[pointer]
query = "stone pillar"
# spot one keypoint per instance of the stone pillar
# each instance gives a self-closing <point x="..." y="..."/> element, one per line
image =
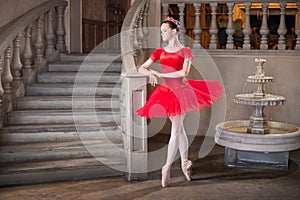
<point x="16" y="66"/>
<point x="135" y="127"/>
<point x="213" y="27"/>
<point x="282" y="29"/>
<point x="247" y="28"/>
<point x="297" y="31"/>
<point x="182" y="30"/>
<point x="50" y="35"/>
<point x="28" y="69"/>
<point x="264" y="30"/>
<point x="230" y="30"/>
<point x="60" y="30"/>
<point x="197" y="28"/>
<point x="39" y="46"/>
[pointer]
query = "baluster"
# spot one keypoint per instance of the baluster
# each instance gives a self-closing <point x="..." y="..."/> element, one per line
<point x="16" y="63"/>
<point x="140" y="35"/>
<point x="213" y="27"/>
<point x="264" y="30"/>
<point x="1" y="93"/>
<point x="145" y="26"/>
<point x="182" y="29"/>
<point x="197" y="28"/>
<point x="230" y="30"/>
<point x="165" y="12"/>
<point x="60" y="31"/>
<point x="49" y="34"/>
<point x="28" y="69"/>
<point x="297" y="31"/>
<point x="39" y="45"/>
<point x="1" y="88"/>
<point x="282" y="29"/>
<point x="7" y="79"/>
<point x="247" y="28"/>
<point x="135" y="42"/>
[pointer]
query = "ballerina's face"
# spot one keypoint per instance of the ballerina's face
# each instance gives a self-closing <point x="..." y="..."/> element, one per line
<point x="166" y="32"/>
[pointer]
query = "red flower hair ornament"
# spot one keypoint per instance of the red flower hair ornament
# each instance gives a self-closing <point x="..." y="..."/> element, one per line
<point x="171" y="19"/>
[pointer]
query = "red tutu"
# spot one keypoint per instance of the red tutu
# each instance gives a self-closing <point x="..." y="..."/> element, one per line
<point x="176" y="96"/>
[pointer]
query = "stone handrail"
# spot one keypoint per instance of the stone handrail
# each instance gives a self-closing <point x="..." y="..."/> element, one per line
<point x="17" y="69"/>
<point x="133" y="93"/>
<point x="231" y="40"/>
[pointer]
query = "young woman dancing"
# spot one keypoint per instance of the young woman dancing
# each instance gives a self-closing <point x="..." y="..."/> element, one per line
<point x="176" y="95"/>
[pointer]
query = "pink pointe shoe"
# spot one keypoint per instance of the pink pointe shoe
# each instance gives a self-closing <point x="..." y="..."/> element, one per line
<point x="186" y="169"/>
<point x="165" y="175"/>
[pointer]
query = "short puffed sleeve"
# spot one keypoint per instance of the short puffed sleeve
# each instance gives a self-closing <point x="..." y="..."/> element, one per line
<point x="156" y="54"/>
<point x="187" y="53"/>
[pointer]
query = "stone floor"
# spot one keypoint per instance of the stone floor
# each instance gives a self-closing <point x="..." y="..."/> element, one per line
<point x="211" y="180"/>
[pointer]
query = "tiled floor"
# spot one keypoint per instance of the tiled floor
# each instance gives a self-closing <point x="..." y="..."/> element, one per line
<point x="211" y="180"/>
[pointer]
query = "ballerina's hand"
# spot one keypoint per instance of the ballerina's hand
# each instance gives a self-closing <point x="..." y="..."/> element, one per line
<point x="152" y="79"/>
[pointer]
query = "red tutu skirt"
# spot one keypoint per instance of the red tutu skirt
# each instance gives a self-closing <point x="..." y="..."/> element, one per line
<point x="175" y="97"/>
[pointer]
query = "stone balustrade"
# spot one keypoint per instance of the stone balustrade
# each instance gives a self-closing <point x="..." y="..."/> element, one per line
<point x="19" y="63"/>
<point x="237" y="24"/>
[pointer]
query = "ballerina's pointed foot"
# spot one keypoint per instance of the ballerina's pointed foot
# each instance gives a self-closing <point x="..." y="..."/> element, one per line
<point x="186" y="169"/>
<point x="165" y="178"/>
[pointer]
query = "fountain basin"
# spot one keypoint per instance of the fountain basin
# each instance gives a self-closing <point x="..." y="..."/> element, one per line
<point x="265" y="151"/>
<point x="282" y="137"/>
<point x="252" y="100"/>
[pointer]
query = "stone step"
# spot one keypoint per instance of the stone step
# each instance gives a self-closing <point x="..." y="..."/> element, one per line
<point x="92" y="57"/>
<point x="20" y="117"/>
<point x="65" y="102"/>
<point x="59" y="151"/>
<point x="60" y="170"/>
<point x="67" y="89"/>
<point x="71" y="77"/>
<point x="71" y="66"/>
<point x="33" y="133"/>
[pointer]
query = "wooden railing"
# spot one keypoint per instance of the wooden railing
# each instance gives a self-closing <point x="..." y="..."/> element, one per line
<point x="19" y="68"/>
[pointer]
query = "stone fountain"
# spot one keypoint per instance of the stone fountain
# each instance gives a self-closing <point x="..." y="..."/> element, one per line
<point x="258" y="143"/>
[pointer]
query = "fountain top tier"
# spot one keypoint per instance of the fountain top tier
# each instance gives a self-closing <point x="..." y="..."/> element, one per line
<point x="259" y="99"/>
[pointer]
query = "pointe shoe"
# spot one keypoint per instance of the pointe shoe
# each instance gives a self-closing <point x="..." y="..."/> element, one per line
<point x="165" y="175"/>
<point x="186" y="169"/>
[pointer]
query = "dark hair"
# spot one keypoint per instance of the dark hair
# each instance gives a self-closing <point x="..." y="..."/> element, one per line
<point x="173" y="25"/>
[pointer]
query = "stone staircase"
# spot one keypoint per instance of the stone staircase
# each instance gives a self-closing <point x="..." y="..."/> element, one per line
<point x="41" y="143"/>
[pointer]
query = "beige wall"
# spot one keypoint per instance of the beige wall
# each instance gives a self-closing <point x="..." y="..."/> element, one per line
<point x="11" y="9"/>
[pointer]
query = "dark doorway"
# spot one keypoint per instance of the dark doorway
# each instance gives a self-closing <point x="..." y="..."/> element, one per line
<point x="102" y="19"/>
